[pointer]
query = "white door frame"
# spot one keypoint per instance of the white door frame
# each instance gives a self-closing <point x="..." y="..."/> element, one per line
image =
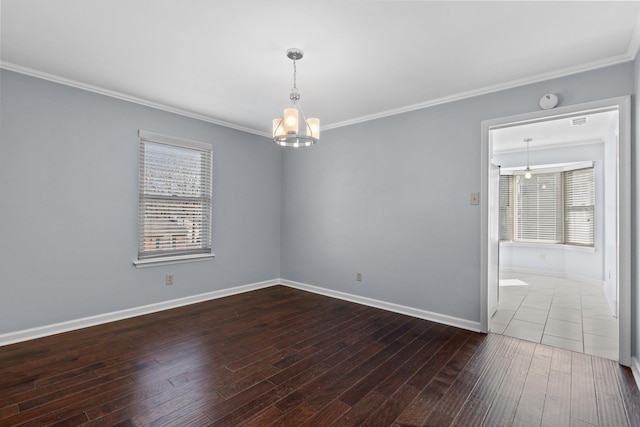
<point x="623" y="104"/>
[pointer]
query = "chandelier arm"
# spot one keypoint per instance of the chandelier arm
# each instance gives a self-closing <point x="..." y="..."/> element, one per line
<point x="304" y="117"/>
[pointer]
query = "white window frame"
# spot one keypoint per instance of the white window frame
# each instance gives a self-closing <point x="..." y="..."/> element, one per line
<point x="198" y="197"/>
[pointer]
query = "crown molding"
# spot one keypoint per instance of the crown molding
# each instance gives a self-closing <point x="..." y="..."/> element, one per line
<point x="124" y="97"/>
<point x="594" y="65"/>
<point x="634" y="46"/>
<point x="634" y="42"/>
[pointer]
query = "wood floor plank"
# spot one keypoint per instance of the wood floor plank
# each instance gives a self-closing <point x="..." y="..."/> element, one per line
<point x="69" y="406"/>
<point x="362" y="410"/>
<point x="433" y="340"/>
<point x="384" y="370"/>
<point x="505" y="403"/>
<point x="450" y="404"/>
<point x="474" y="410"/>
<point x="583" y="394"/>
<point x="7" y="411"/>
<point x="630" y="394"/>
<point x="610" y="406"/>
<point x="557" y="404"/>
<point x="328" y="415"/>
<point x="244" y="411"/>
<point x="283" y="357"/>
<point x="158" y="404"/>
<point x="388" y="412"/>
<point x="531" y="404"/>
<point x="423" y="405"/>
<point x="322" y="390"/>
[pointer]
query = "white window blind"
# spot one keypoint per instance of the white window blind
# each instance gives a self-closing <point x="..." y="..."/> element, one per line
<point x="175" y="197"/>
<point x="551" y="207"/>
<point x="538" y="202"/>
<point x="579" y="201"/>
<point x="506" y="207"/>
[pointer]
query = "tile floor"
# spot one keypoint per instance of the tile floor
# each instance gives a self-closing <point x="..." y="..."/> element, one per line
<point x="559" y="312"/>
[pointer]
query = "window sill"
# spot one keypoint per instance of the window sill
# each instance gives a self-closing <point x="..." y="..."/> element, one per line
<point x="178" y="259"/>
<point x="562" y="246"/>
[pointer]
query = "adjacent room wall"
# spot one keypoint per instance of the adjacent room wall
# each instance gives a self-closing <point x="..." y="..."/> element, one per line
<point x="390" y="198"/>
<point x="69" y="206"/>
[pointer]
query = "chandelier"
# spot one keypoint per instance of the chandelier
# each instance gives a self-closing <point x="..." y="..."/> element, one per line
<point x="287" y="130"/>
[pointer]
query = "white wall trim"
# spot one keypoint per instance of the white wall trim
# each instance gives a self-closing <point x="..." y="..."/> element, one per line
<point x="588" y="280"/>
<point x="122" y="96"/>
<point x="594" y="65"/>
<point x="85" y="322"/>
<point x="396" y="308"/>
<point x="543" y="147"/>
<point x="634" y="42"/>
<point x="71" y="325"/>
<point x="615" y="60"/>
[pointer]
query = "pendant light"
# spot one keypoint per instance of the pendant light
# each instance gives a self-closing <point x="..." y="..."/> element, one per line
<point x="527" y="171"/>
<point x="287" y="130"/>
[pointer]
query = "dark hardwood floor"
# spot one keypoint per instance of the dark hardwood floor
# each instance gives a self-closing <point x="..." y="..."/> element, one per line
<point x="283" y="357"/>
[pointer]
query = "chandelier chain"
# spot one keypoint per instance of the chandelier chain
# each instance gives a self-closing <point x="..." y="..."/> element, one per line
<point x="295" y="88"/>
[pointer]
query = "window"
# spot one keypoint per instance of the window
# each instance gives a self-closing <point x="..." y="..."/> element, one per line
<point x="579" y="203"/>
<point x="174" y="211"/>
<point x="552" y="207"/>
<point x="538" y="203"/>
<point x="506" y="207"/>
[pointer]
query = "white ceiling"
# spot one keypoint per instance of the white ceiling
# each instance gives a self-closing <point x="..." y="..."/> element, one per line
<point x="224" y="61"/>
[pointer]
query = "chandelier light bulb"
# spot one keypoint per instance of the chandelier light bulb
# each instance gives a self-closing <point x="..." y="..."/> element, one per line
<point x="291" y="120"/>
<point x="313" y="128"/>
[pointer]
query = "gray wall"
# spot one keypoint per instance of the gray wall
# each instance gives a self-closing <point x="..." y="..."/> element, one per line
<point x="68" y="205"/>
<point x="390" y="198"/>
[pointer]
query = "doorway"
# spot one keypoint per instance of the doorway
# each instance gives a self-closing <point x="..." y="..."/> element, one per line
<point x="613" y="249"/>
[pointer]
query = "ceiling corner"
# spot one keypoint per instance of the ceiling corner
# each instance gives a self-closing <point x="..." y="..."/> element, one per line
<point x="634" y="41"/>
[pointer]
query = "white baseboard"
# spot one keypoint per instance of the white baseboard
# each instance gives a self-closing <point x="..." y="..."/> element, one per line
<point x="396" y="308"/>
<point x="562" y="275"/>
<point x="57" y="328"/>
<point x="85" y="322"/>
<point x="635" y="368"/>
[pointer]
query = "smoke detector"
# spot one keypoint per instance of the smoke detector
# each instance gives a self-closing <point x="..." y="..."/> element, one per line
<point x="548" y="101"/>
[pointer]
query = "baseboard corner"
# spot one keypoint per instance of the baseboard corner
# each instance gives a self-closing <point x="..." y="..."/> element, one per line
<point x="389" y="306"/>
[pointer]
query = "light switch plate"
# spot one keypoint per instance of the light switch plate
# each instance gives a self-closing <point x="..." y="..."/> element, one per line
<point x="474" y="199"/>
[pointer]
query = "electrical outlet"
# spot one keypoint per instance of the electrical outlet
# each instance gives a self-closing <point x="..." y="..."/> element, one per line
<point x="359" y="277"/>
<point x="169" y="279"/>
